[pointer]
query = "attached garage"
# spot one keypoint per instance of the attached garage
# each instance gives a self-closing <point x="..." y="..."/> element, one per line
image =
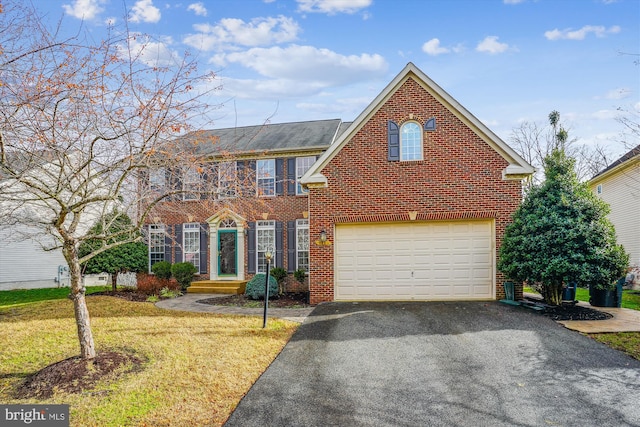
<point x="438" y="260"/>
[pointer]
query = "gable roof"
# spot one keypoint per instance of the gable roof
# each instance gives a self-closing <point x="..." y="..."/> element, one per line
<point x="272" y="138"/>
<point x="518" y="167"/>
<point x="634" y="153"/>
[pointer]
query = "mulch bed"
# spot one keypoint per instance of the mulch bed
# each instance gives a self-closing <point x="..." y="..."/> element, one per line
<point x="129" y="295"/>
<point x="281" y="301"/>
<point x="76" y="375"/>
<point x="575" y="312"/>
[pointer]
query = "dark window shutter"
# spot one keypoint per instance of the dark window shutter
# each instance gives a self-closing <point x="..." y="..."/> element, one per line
<point x="251" y="248"/>
<point x="279" y="246"/>
<point x="279" y="176"/>
<point x="178" y="243"/>
<point x="291" y="246"/>
<point x="291" y="176"/>
<point x="393" y="140"/>
<point x="167" y="244"/>
<point x="430" y="124"/>
<point x="204" y="253"/>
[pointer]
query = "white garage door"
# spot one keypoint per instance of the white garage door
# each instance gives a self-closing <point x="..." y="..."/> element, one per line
<point x="415" y="261"/>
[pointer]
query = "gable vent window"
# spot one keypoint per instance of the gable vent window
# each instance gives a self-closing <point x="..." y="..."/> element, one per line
<point x="599" y="189"/>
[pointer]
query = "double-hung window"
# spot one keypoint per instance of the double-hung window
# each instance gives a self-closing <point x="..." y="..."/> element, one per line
<point x="266" y="177"/>
<point x="302" y="166"/>
<point x="302" y="244"/>
<point x="191" y="244"/>
<point x="227" y="179"/>
<point x="157" y="179"/>
<point x="411" y="141"/>
<point x="156" y="244"/>
<point x="191" y="184"/>
<point x="265" y="242"/>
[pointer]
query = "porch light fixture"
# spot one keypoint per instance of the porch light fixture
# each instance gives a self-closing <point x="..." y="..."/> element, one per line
<point x="323" y="241"/>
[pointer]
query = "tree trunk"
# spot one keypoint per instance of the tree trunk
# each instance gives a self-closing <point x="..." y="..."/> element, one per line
<point x="85" y="336"/>
<point x="552" y="293"/>
<point x="114" y="281"/>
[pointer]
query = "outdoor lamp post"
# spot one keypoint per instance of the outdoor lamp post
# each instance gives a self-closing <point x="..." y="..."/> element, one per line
<point x="268" y="255"/>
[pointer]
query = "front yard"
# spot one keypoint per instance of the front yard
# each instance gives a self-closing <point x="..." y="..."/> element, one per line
<point x="195" y="367"/>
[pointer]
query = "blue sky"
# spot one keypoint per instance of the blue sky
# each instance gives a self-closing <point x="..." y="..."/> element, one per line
<point x="506" y="61"/>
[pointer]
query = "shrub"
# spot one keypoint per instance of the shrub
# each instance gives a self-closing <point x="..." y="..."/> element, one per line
<point x="255" y="287"/>
<point x="300" y="275"/>
<point x="279" y="274"/>
<point x="183" y="272"/>
<point x="150" y="285"/>
<point x="162" y="269"/>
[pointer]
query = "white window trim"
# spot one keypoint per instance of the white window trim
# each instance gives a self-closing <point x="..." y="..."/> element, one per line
<point x="258" y="178"/>
<point x="301" y="170"/>
<point x="421" y="150"/>
<point x="191" y="228"/>
<point x="157" y="229"/>
<point x="599" y="189"/>
<point x="157" y="179"/>
<point x="190" y="173"/>
<point x="302" y="224"/>
<point x="231" y="183"/>
<point x="265" y="226"/>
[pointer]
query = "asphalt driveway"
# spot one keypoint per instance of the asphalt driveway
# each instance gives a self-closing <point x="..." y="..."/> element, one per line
<point x="441" y="364"/>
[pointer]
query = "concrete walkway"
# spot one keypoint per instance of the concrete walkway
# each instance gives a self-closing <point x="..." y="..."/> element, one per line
<point x="624" y="320"/>
<point x="189" y="302"/>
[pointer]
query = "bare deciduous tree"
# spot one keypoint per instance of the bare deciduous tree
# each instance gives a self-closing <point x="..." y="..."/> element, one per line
<point x="534" y="142"/>
<point x="79" y="123"/>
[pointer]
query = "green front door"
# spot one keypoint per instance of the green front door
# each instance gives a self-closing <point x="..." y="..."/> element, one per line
<point x="227" y="253"/>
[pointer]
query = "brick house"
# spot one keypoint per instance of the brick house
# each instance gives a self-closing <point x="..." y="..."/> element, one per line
<point x="409" y="201"/>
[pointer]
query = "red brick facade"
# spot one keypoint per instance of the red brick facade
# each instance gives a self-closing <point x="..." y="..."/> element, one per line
<point x="461" y="177"/>
<point x="281" y="208"/>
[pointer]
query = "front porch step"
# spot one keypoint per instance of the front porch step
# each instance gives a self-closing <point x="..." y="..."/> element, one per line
<point x="217" y="287"/>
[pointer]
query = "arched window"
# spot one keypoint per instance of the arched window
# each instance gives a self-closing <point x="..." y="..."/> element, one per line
<point x="410" y="141"/>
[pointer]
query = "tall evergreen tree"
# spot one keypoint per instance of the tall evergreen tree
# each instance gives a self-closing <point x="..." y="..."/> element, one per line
<point x="560" y="234"/>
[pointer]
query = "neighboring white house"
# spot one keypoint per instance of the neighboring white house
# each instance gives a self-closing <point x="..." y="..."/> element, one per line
<point x="24" y="264"/>
<point x="619" y="186"/>
<point x="26" y="216"/>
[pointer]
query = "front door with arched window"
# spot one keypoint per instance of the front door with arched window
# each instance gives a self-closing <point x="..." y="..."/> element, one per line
<point x="226" y="234"/>
<point x="227" y="248"/>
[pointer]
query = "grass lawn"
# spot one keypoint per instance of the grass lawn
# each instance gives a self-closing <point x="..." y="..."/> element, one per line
<point x="197" y="366"/>
<point x="24" y="296"/>
<point x="627" y="342"/>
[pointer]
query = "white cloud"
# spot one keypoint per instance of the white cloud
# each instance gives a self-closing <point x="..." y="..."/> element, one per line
<point x="619" y="93"/>
<point x="332" y="7"/>
<point x="491" y="45"/>
<point x="198" y="9"/>
<point x="236" y="32"/>
<point x="84" y="9"/>
<point x="299" y="71"/>
<point x="144" y="11"/>
<point x="432" y="47"/>
<point x="310" y="64"/>
<point x="569" y="34"/>
<point x="605" y="114"/>
<point x="111" y="21"/>
<point x="154" y="53"/>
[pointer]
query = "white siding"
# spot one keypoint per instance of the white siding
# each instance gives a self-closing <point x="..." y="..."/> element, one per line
<point x="622" y="192"/>
<point x="25" y="262"/>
